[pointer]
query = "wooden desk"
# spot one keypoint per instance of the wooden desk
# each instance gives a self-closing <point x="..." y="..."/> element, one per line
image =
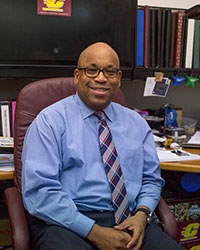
<point x="183" y="166"/>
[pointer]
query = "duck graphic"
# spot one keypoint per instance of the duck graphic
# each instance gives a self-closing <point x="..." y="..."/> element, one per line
<point x="53" y="5"/>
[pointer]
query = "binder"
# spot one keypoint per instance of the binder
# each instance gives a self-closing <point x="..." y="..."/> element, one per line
<point x="172" y="44"/>
<point x="163" y="38"/>
<point x="5" y="119"/>
<point x="140" y="37"/>
<point x="190" y="43"/>
<point x="168" y="37"/>
<point x="146" y="36"/>
<point x="178" y="39"/>
<point x="195" y="63"/>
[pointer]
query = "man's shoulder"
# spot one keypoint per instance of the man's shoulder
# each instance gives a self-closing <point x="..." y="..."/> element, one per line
<point x="59" y="105"/>
<point x="125" y="110"/>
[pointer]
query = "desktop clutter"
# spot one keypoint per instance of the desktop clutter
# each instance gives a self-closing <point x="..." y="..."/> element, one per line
<point x="172" y="132"/>
<point x="6" y="153"/>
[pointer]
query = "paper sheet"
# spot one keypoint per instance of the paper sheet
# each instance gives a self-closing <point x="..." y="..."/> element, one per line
<point x="153" y="88"/>
<point x="6" y="168"/>
<point x="195" y="139"/>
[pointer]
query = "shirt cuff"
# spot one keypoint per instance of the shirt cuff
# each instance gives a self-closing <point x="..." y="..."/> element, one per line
<point x="148" y="202"/>
<point x="82" y="225"/>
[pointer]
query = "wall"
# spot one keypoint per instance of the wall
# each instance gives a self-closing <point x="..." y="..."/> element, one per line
<point x="169" y="3"/>
<point x="186" y="97"/>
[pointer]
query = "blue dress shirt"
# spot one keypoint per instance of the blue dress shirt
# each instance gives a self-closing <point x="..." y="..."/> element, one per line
<point x="63" y="171"/>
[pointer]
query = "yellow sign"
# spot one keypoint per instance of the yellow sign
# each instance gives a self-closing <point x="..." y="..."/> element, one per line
<point x="190" y="231"/>
<point x="195" y="248"/>
<point x="53" y="5"/>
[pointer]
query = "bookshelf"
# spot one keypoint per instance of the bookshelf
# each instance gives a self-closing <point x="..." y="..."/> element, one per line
<point x="165" y="48"/>
<point x="141" y="73"/>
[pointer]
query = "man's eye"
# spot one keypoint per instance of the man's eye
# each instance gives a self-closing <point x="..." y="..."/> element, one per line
<point x="91" y="71"/>
<point x="110" y="72"/>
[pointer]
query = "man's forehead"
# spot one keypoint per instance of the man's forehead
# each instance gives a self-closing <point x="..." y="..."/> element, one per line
<point x="99" y="56"/>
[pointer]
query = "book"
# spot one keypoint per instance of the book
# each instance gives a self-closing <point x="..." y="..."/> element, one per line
<point x="189" y="43"/>
<point x="140" y="37"/>
<point x="178" y="39"/>
<point x="146" y="36"/>
<point x="195" y="61"/>
<point x="5" y="119"/>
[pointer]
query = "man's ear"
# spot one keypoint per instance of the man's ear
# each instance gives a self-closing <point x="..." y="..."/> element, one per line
<point x="76" y="76"/>
<point x="119" y="77"/>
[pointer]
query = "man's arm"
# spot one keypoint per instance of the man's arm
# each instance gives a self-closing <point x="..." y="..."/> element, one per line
<point x="42" y="166"/>
<point x="152" y="181"/>
<point x="149" y="193"/>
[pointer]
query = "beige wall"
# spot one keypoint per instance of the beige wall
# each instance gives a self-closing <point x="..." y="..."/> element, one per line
<point x="170" y="3"/>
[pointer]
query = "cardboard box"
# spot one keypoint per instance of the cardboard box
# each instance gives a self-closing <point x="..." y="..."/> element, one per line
<point x="185" y="210"/>
<point x="193" y="246"/>
<point x="187" y="214"/>
<point x="5" y="233"/>
<point x="5" y="230"/>
<point x="189" y="232"/>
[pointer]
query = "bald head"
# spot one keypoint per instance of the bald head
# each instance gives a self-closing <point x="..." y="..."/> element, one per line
<point x="97" y="90"/>
<point x="100" y="50"/>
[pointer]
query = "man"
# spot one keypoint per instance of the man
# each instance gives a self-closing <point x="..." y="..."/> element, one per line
<point x="64" y="183"/>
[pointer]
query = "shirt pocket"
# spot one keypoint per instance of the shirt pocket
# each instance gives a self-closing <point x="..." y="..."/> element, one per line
<point x="131" y="161"/>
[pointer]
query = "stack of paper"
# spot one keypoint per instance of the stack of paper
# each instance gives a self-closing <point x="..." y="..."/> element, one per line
<point x="6" y="162"/>
<point x="169" y="155"/>
<point x="194" y="141"/>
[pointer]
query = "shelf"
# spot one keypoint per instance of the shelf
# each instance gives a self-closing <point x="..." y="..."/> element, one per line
<point x="47" y="71"/>
<point x="140" y="73"/>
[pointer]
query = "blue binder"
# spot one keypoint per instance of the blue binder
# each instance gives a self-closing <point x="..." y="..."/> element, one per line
<point x="140" y="37"/>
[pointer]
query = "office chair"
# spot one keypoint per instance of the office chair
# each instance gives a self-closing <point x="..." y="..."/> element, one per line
<point x="31" y="100"/>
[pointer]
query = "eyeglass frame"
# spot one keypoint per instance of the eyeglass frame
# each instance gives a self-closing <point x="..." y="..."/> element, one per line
<point x="98" y="72"/>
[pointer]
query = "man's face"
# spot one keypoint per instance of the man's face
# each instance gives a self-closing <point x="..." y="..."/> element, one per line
<point x="97" y="92"/>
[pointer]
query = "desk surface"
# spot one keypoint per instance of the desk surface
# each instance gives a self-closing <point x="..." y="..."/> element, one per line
<point x="182" y="166"/>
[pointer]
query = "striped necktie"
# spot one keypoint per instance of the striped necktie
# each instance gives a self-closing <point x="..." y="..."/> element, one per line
<point x="113" y="170"/>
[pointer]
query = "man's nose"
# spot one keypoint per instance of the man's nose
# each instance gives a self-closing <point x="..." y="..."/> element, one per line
<point x="101" y="77"/>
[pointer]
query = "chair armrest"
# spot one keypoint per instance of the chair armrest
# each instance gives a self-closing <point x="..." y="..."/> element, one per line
<point x="19" y="226"/>
<point x="167" y="219"/>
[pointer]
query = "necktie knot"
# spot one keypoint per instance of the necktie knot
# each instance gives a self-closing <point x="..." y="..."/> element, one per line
<point x="100" y="115"/>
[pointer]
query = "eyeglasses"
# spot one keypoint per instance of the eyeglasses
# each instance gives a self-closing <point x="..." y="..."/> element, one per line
<point x="108" y="72"/>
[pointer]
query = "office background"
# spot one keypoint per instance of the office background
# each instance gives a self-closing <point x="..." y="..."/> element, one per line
<point x="185" y="97"/>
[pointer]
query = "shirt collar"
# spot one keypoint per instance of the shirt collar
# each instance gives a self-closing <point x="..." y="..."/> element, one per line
<point x="86" y="111"/>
